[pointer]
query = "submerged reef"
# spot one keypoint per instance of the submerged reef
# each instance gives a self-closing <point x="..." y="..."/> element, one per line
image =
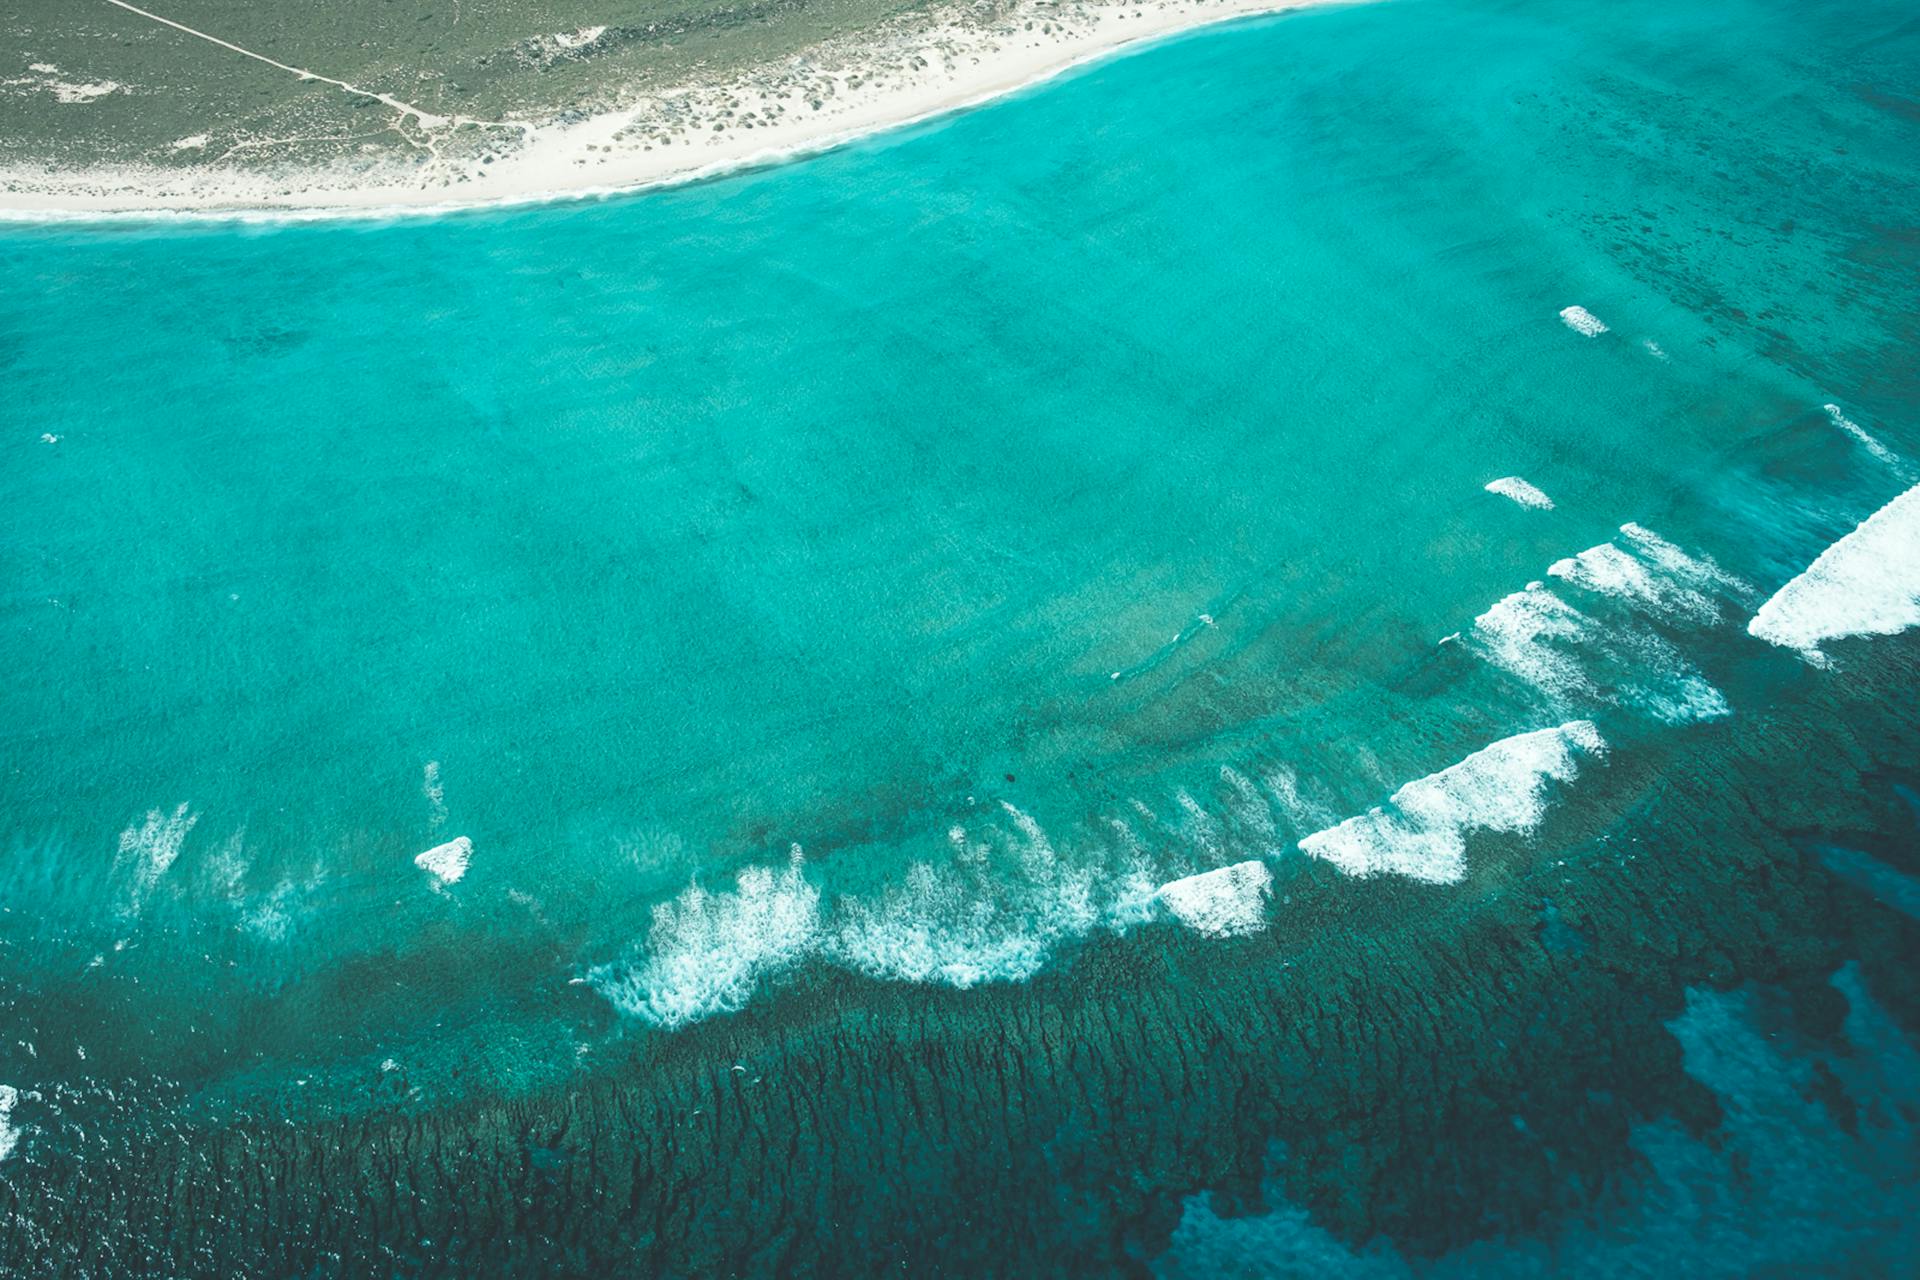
<point x="1419" y="1066"/>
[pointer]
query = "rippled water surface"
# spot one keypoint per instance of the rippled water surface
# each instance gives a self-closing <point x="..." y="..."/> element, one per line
<point x="1253" y="663"/>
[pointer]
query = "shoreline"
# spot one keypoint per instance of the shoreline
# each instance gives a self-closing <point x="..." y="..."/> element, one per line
<point x="838" y="92"/>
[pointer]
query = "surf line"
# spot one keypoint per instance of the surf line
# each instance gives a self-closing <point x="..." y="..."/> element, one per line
<point x="426" y="119"/>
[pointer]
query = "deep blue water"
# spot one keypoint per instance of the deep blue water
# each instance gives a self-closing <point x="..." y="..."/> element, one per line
<point x="883" y="575"/>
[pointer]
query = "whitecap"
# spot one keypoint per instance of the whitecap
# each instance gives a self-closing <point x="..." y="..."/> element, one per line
<point x="1224" y="903"/>
<point x="1612" y="654"/>
<point x="435" y="794"/>
<point x="1867" y="583"/>
<point x="70" y="92"/>
<point x="1302" y="814"/>
<point x="271" y="919"/>
<point x="1861" y="434"/>
<point x="978" y="922"/>
<point x="1525" y="633"/>
<point x="1700" y="572"/>
<point x="995" y="910"/>
<point x="1249" y="808"/>
<point x="1608" y="570"/>
<point x="9" y="1135"/>
<point x="446" y="863"/>
<point x="1582" y="321"/>
<point x="153" y="846"/>
<point x="1687" y="699"/>
<point x="1421" y="831"/>
<point x="1198" y="826"/>
<point x="1520" y="491"/>
<point x="938" y="927"/>
<point x="706" y="953"/>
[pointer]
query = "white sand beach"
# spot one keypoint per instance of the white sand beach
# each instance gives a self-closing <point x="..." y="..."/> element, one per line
<point x="841" y="89"/>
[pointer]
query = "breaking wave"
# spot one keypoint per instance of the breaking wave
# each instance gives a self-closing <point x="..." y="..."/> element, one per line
<point x="1223" y="903"/>
<point x="999" y="898"/>
<point x="1650" y="573"/>
<point x="1529" y="634"/>
<point x="1866" y="584"/>
<point x="1421" y="831"/>
<point x="1582" y="321"/>
<point x="1864" y="437"/>
<point x="1520" y="491"/>
<point x="147" y="850"/>
<point x="1613" y="654"/>
<point x="446" y="863"/>
<point x="707" y="952"/>
<point x="996" y="911"/>
<point x="9" y="1135"/>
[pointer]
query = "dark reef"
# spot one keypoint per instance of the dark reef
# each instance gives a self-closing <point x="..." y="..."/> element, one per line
<point x="1436" y="1065"/>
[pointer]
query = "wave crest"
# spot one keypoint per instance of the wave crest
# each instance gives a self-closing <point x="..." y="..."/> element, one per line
<point x="1421" y="831"/>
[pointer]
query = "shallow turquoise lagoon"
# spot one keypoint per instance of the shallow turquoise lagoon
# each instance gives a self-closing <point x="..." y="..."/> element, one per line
<point x="460" y="663"/>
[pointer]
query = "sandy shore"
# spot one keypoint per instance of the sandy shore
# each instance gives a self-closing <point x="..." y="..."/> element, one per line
<point x="841" y="89"/>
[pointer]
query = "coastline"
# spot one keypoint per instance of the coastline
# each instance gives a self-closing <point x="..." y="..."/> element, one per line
<point x="841" y="90"/>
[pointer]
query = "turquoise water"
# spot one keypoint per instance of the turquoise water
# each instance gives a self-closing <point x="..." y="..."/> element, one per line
<point x="837" y="597"/>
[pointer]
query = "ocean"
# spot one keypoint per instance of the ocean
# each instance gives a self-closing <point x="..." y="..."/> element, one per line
<point x="1287" y="655"/>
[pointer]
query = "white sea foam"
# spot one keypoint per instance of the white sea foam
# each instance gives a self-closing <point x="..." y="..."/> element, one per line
<point x="985" y="920"/>
<point x="1867" y="583"/>
<point x="707" y="952"/>
<point x="271" y="918"/>
<point x="435" y="793"/>
<point x="1247" y="805"/>
<point x="942" y="927"/>
<point x="1582" y="321"/>
<point x="1526" y="634"/>
<point x="1521" y="492"/>
<point x="1865" y="438"/>
<point x="1123" y="832"/>
<point x="1608" y="570"/>
<point x="1685" y="697"/>
<point x="998" y="898"/>
<point x="1302" y="814"/>
<point x="959" y="925"/>
<point x="1197" y="825"/>
<point x="1611" y="654"/>
<point x="150" y="848"/>
<point x="1224" y="903"/>
<point x="226" y="869"/>
<point x="446" y="863"/>
<point x="1663" y="587"/>
<point x="9" y="1136"/>
<point x="1421" y="831"/>
<point x="1129" y="899"/>
<point x="1541" y="639"/>
<point x="1699" y="572"/>
<point x="996" y="911"/>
